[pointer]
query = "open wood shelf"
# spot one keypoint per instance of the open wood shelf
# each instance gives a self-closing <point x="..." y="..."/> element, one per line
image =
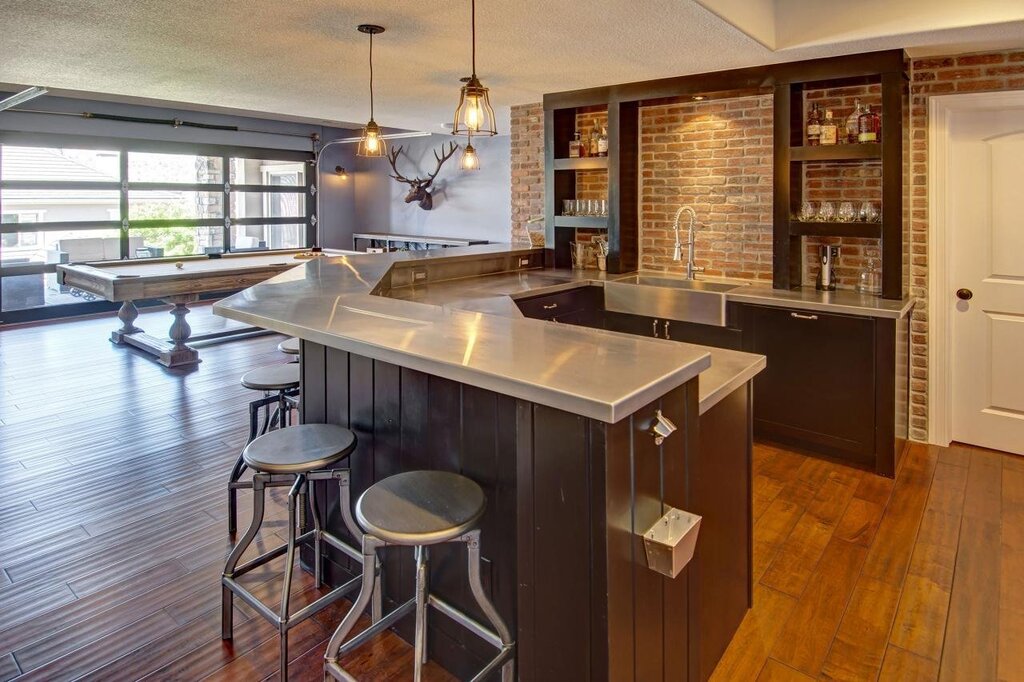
<point x="835" y="229"/>
<point x="600" y="222"/>
<point x="588" y="163"/>
<point x="836" y="152"/>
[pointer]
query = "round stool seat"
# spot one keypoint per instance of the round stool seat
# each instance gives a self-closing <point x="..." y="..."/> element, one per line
<point x="289" y="346"/>
<point x="421" y="507"/>
<point x="299" y="449"/>
<point x="272" y="377"/>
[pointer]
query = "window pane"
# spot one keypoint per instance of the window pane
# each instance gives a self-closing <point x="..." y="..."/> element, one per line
<point x="267" y="204"/>
<point x="186" y="168"/>
<point x="168" y="205"/>
<point x="57" y="164"/>
<point x="266" y="172"/>
<point x="250" y="237"/>
<point x="65" y="246"/>
<point x="49" y="205"/>
<point x="161" y="242"/>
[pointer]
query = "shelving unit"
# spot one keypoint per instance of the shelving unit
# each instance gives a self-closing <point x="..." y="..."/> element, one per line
<point x="582" y="221"/>
<point x="790" y="156"/>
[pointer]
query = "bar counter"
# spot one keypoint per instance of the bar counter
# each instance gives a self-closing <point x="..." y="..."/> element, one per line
<point x="427" y="359"/>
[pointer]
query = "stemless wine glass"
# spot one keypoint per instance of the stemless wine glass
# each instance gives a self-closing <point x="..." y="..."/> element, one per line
<point x="827" y="212"/>
<point x="808" y="212"/>
<point x="846" y="212"/>
<point x="868" y="212"/>
<point x="602" y="207"/>
<point x="568" y="207"/>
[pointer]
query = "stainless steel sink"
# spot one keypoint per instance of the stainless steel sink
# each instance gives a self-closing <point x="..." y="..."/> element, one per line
<point x="689" y="284"/>
<point x="668" y="298"/>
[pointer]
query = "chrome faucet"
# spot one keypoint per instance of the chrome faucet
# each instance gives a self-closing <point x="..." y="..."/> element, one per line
<point x="677" y="250"/>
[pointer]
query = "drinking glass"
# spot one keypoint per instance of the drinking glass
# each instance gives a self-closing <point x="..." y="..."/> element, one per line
<point x="807" y="212"/>
<point x="568" y="207"/>
<point x="602" y="207"/>
<point x="591" y="207"/>
<point x="868" y="212"/>
<point x="846" y="212"/>
<point x="827" y="212"/>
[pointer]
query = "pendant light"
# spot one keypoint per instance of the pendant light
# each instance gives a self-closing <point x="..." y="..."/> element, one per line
<point x="469" y="161"/>
<point x="474" y="113"/>
<point x="371" y="144"/>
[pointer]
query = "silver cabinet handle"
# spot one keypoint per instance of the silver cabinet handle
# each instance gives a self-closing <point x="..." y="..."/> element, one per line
<point x="551" y="306"/>
<point x="666" y="330"/>
<point x="654" y="329"/>
<point x="803" y="317"/>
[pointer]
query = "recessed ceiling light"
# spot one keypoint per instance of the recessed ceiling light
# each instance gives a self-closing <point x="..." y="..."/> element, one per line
<point x="698" y="98"/>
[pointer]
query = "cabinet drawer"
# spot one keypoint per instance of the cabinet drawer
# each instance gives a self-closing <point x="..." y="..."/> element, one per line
<point x="551" y="306"/>
<point x="819" y="384"/>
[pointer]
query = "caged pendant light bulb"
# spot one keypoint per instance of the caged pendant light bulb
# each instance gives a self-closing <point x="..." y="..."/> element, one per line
<point x="469" y="161"/>
<point x="371" y="144"/>
<point x="474" y="114"/>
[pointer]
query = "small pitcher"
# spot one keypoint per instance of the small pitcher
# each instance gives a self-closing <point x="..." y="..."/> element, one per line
<point x="579" y="255"/>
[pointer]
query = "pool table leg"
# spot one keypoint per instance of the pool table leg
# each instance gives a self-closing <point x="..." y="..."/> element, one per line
<point x="127" y="314"/>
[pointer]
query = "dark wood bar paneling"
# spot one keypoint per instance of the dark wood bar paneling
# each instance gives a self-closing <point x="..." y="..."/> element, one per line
<point x="568" y="499"/>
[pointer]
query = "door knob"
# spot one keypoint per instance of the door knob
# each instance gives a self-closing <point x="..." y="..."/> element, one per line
<point x="964" y="294"/>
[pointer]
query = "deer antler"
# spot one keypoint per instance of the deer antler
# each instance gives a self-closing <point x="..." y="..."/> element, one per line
<point x="440" y="161"/>
<point x="393" y="159"/>
<point x="418" y="181"/>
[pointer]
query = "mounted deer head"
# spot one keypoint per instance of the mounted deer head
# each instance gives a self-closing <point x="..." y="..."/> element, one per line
<point x="418" y="187"/>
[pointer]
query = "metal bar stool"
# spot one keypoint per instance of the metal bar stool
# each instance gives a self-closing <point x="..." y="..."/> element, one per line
<point x="419" y="509"/>
<point x="280" y="386"/>
<point x="295" y="457"/>
<point x="289" y="346"/>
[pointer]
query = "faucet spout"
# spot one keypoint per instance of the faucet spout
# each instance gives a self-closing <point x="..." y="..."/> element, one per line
<point x="677" y="249"/>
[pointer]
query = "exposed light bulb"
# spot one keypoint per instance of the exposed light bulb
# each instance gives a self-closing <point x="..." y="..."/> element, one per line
<point x="372" y="142"/>
<point x="470" y="160"/>
<point x="474" y="113"/>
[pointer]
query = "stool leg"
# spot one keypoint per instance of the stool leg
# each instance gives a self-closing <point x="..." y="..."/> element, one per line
<point x="227" y="610"/>
<point x="420" y="642"/>
<point x="317" y="535"/>
<point x="282" y="407"/>
<point x="286" y="587"/>
<point x="369" y="545"/>
<point x="477" y="588"/>
<point x="345" y="495"/>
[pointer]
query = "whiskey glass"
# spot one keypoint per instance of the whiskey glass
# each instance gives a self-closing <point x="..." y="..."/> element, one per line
<point x="827" y="212"/>
<point x="846" y="212"/>
<point x="808" y="212"/>
<point x="568" y="207"/>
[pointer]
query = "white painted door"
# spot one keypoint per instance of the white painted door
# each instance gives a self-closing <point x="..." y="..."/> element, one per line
<point x="985" y="210"/>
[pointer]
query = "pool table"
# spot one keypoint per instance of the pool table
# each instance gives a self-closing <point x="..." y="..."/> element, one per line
<point x="177" y="281"/>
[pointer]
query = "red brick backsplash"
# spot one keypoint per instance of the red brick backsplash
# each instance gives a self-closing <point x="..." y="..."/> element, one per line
<point x="717" y="157"/>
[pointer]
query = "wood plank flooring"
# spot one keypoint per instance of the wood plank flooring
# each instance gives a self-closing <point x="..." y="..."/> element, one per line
<point x="112" y="538"/>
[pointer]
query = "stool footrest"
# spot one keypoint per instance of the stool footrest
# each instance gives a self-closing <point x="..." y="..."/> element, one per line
<point x="465" y="621"/>
<point x="378" y="627"/>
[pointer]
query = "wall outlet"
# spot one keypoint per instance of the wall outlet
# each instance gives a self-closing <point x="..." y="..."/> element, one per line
<point x="524" y="262"/>
<point x="419" y="276"/>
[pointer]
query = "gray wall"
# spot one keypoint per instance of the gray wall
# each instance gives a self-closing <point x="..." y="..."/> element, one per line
<point x="466" y="204"/>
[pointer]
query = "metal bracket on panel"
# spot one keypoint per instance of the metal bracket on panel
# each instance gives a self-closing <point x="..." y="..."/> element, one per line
<point x="312" y="190"/>
<point x="124" y="224"/>
<point x="670" y="542"/>
<point x="312" y="219"/>
<point x="227" y="187"/>
<point x="662" y="428"/>
<point x="227" y="222"/>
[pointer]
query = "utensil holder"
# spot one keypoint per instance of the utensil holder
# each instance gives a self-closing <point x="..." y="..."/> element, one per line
<point x="670" y="542"/>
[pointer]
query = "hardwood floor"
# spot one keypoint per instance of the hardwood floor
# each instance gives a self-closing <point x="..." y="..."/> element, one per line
<point x="112" y="538"/>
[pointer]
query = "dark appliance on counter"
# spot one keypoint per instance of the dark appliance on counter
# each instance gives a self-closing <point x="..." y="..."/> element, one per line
<point x="827" y="256"/>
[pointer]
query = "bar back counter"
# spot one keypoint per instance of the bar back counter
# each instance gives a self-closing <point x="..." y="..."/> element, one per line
<point x="558" y="425"/>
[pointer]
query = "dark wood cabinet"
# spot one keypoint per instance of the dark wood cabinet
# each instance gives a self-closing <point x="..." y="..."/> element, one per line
<point x="834" y="384"/>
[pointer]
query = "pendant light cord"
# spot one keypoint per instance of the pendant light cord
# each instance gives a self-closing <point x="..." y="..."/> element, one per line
<point x="371" y="76"/>
<point x="472" y="21"/>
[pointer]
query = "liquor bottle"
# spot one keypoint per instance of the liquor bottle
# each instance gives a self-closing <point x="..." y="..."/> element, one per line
<point x="594" y="151"/>
<point x="868" y="126"/>
<point x="585" y="146"/>
<point x="829" y="129"/>
<point x="853" y="123"/>
<point x="814" y="126"/>
<point x="602" y="142"/>
<point x="574" y="146"/>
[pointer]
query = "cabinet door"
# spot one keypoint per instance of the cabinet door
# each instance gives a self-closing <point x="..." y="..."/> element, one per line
<point x="633" y="324"/>
<point x="818" y="387"/>
<point x="551" y="306"/>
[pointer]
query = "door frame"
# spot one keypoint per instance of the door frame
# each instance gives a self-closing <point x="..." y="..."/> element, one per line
<point x="940" y="235"/>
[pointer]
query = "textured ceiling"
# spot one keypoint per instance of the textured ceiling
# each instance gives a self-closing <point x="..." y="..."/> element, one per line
<point x="304" y="58"/>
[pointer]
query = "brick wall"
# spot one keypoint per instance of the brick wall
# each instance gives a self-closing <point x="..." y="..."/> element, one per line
<point x="716" y="156"/>
<point x="939" y="76"/>
<point x="527" y="158"/>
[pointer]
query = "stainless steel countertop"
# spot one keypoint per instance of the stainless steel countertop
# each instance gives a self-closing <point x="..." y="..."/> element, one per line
<point x="495" y="294"/>
<point x="595" y="373"/>
<point x="839" y="301"/>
